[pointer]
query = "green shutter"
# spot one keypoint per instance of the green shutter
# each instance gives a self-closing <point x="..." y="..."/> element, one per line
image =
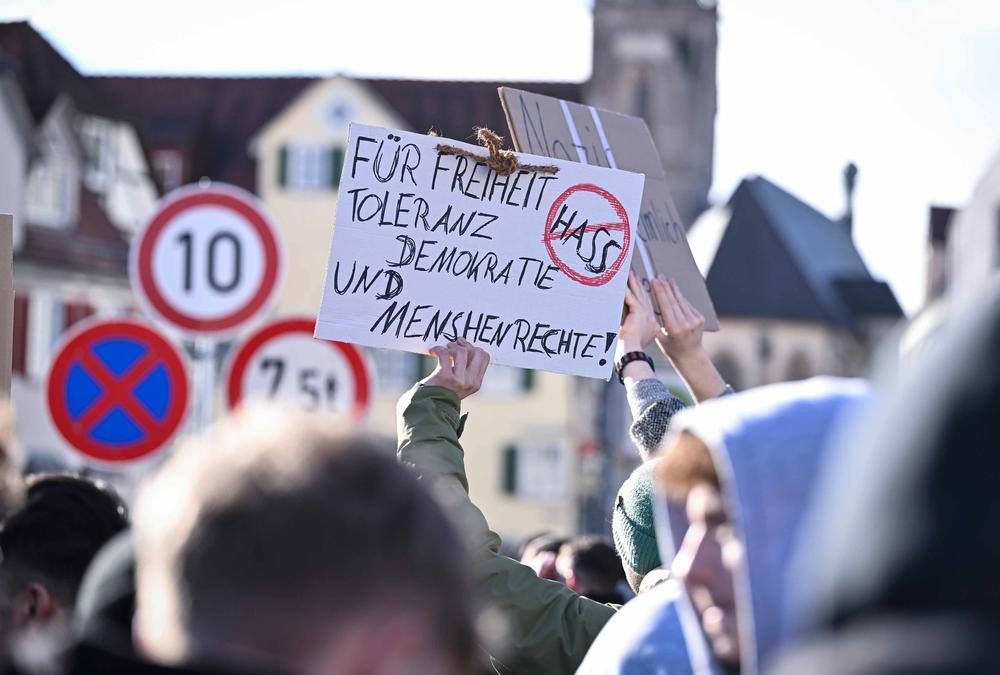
<point x="509" y="473"/>
<point x="336" y="165"/>
<point x="527" y="379"/>
<point x="283" y="166"/>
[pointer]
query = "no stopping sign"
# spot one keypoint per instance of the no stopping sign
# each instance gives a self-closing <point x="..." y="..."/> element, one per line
<point x="208" y="261"/>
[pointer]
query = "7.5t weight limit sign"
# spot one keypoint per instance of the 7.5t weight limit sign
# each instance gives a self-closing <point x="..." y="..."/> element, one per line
<point x="283" y="361"/>
<point x="208" y="261"/>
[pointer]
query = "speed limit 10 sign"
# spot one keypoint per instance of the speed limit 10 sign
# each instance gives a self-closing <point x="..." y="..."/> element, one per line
<point x="283" y="361"/>
<point x="208" y="261"/>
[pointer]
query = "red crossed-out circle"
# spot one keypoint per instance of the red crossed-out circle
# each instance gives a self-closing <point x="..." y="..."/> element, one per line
<point x="302" y="325"/>
<point x="621" y="226"/>
<point x="118" y="391"/>
<point x="185" y="199"/>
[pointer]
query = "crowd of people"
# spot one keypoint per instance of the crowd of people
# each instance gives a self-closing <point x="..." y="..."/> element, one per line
<point x="822" y="526"/>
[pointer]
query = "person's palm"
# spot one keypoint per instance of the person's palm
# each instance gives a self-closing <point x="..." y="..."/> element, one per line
<point x="640" y="325"/>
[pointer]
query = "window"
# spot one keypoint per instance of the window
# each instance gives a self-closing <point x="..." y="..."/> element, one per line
<point x="98" y="137"/>
<point x="168" y="167"/>
<point x="508" y="381"/>
<point x="310" y="167"/>
<point x="396" y="371"/>
<point x="58" y="324"/>
<point x="50" y="194"/>
<point x="533" y="471"/>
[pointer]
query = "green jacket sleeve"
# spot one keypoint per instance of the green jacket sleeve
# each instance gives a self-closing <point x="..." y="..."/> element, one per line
<point x="549" y="627"/>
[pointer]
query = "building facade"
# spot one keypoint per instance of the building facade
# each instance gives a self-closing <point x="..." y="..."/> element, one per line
<point x="793" y="295"/>
<point x="77" y="183"/>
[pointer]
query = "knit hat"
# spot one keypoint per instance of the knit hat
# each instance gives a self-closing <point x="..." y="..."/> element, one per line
<point x="632" y="523"/>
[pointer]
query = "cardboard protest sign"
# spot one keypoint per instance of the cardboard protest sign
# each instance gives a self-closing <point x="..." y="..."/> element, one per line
<point x="560" y="129"/>
<point x="6" y="303"/>
<point x="429" y="246"/>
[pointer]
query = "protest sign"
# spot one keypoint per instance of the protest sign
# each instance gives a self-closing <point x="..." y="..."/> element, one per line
<point x="430" y="245"/>
<point x="560" y="129"/>
<point x="6" y="303"/>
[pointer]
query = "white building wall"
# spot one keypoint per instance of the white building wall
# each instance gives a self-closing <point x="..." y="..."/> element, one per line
<point x="974" y="246"/>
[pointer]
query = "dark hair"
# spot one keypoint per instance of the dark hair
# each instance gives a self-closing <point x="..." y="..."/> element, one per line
<point x="52" y="537"/>
<point x="543" y="542"/>
<point x="594" y="561"/>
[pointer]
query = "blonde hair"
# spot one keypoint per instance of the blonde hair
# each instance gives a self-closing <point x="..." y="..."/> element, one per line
<point x="685" y="463"/>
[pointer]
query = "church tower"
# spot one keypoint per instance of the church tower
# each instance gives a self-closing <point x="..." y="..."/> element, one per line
<point x="656" y="59"/>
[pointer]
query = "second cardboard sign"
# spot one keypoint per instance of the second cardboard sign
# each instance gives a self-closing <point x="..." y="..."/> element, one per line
<point x="542" y="125"/>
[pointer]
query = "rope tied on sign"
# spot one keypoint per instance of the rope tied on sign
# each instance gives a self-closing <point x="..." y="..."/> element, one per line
<point x="504" y="162"/>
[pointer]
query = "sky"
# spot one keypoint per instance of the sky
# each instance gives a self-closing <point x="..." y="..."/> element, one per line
<point x="909" y="90"/>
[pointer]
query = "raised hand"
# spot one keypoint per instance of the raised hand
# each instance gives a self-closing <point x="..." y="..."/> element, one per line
<point x="461" y="368"/>
<point x="683" y="325"/>
<point x="680" y="340"/>
<point x="640" y="326"/>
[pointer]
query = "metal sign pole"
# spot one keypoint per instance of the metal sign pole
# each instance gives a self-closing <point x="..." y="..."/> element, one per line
<point x="203" y="354"/>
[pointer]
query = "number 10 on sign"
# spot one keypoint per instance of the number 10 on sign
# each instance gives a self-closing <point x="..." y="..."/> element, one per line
<point x="208" y="261"/>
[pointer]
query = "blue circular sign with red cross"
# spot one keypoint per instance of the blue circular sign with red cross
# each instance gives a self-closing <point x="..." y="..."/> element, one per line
<point x="117" y="390"/>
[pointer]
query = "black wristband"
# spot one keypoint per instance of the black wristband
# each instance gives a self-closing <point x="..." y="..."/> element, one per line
<point x="629" y="358"/>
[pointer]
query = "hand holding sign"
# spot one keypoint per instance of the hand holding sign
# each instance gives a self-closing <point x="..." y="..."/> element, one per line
<point x="461" y="367"/>
<point x="433" y="246"/>
<point x="679" y="338"/>
<point x="561" y="129"/>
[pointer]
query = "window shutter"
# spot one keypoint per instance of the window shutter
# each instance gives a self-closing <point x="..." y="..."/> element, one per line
<point x="336" y="165"/>
<point x="75" y="312"/>
<point x="283" y="166"/>
<point x="20" y="360"/>
<point x="527" y="379"/>
<point x="509" y="471"/>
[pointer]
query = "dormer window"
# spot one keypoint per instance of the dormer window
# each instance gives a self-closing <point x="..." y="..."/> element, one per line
<point x="50" y="193"/>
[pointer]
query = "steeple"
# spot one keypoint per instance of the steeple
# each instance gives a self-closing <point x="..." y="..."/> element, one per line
<point x="657" y="59"/>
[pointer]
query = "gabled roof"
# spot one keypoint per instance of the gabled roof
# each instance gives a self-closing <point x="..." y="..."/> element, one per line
<point x="43" y="74"/>
<point x="781" y="258"/>
<point x="216" y="117"/>
<point x="211" y="119"/>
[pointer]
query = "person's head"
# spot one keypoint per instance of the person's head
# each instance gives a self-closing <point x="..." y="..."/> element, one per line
<point x="48" y="542"/>
<point x="633" y="527"/>
<point x="540" y="553"/>
<point x="590" y="567"/>
<point x="281" y="540"/>
<point x="710" y="554"/>
<point x="745" y="468"/>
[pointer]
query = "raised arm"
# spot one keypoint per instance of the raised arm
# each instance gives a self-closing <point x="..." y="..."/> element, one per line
<point x="550" y="628"/>
<point x="679" y="338"/>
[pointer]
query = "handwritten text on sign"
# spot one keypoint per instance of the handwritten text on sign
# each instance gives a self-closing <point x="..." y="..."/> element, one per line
<point x="432" y="246"/>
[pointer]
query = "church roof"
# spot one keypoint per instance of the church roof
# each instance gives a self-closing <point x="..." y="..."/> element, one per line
<point x="780" y="258"/>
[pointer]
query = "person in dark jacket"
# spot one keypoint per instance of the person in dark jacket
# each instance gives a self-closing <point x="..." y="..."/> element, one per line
<point x="900" y="573"/>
